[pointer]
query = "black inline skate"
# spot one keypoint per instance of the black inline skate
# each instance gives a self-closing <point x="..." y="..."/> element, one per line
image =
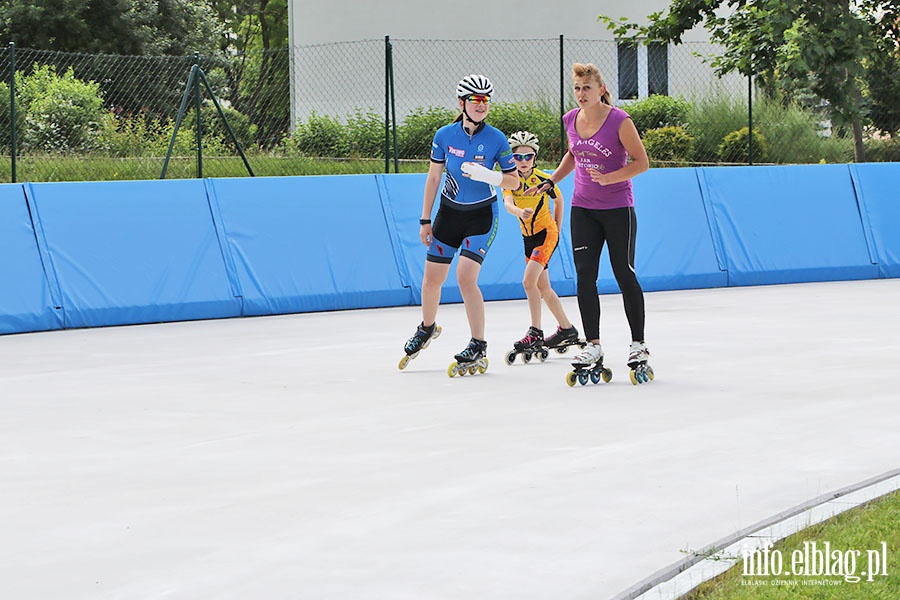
<point x="563" y="338"/>
<point x="418" y="342"/>
<point x="473" y="359"/>
<point x="530" y="345"/>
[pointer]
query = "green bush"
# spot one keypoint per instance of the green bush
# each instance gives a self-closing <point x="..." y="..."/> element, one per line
<point x="365" y="134"/>
<point x="736" y="146"/>
<point x="710" y="120"/>
<point x="539" y="118"/>
<point x="414" y="135"/>
<point x="657" y="111"/>
<point x="886" y="150"/>
<point x="794" y="134"/>
<point x="214" y="128"/>
<point x="137" y="135"/>
<point x="62" y="113"/>
<point x="320" y="135"/>
<point x="669" y="145"/>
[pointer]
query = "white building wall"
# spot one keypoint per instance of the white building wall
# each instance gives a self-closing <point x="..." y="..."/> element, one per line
<point x="338" y="57"/>
<point x="320" y="21"/>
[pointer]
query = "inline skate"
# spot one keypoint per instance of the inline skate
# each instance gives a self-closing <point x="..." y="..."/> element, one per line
<point x="473" y="359"/>
<point x="530" y="345"/>
<point x="418" y="342"/>
<point x="641" y="372"/>
<point x="563" y="338"/>
<point x="588" y="366"/>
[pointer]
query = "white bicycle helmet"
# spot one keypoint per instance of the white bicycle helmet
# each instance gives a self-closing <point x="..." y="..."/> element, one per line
<point x="474" y="84"/>
<point x="524" y="138"/>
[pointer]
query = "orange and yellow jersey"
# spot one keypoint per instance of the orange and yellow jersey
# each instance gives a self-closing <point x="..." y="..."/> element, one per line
<point x="543" y="214"/>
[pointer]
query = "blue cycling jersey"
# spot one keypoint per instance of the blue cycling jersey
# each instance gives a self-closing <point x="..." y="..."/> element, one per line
<point x="452" y="146"/>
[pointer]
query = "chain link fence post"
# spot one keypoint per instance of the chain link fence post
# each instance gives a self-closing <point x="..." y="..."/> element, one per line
<point x="12" y="111"/>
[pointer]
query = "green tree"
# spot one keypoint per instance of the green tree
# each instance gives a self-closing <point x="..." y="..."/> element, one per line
<point x="130" y="27"/>
<point x="257" y="78"/>
<point x="817" y="44"/>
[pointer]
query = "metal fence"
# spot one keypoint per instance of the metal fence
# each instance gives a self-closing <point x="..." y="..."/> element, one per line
<point x="367" y="106"/>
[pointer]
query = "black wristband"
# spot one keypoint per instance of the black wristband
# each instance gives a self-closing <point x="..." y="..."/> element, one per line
<point x="424" y="221"/>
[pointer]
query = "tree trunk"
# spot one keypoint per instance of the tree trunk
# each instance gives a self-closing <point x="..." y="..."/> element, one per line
<point x="859" y="151"/>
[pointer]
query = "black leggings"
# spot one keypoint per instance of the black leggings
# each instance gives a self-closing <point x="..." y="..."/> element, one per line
<point x="590" y="230"/>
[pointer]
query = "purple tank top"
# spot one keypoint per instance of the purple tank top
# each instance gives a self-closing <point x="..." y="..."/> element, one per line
<point x="604" y="152"/>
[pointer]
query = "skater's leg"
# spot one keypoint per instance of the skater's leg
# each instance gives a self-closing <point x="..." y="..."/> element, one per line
<point x="588" y="238"/>
<point x="622" y="231"/>
<point x="467" y="271"/>
<point x="531" y="283"/>
<point x="552" y="300"/>
<point x="435" y="275"/>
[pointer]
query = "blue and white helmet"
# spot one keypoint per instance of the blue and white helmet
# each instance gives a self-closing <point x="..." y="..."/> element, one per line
<point x="474" y="84"/>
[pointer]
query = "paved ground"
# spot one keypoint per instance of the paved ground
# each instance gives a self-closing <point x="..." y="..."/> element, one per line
<point x="287" y="457"/>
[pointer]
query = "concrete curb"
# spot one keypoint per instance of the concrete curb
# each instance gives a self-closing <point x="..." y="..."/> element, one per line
<point x="680" y="578"/>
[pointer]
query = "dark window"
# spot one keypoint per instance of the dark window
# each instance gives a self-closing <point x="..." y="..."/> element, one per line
<point x="628" y="71"/>
<point x="658" y="68"/>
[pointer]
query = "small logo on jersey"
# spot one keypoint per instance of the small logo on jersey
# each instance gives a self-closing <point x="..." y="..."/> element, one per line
<point x="536" y="253"/>
<point x="481" y="147"/>
<point x="479" y="157"/>
<point x="579" y="248"/>
<point x="456" y="152"/>
<point x="467" y="244"/>
<point x="483" y="251"/>
<point x="440" y="249"/>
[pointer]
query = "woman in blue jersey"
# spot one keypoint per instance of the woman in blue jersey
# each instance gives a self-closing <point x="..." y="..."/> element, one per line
<point x="466" y="221"/>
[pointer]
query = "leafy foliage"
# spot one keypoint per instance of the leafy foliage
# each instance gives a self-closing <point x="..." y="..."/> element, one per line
<point x="818" y="45"/>
<point x="669" y="145"/>
<point x="321" y="135"/>
<point x="657" y="111"/>
<point x="365" y="134"/>
<point x="735" y="147"/>
<point x="62" y="114"/>
<point x="414" y="135"/>
<point x="136" y="27"/>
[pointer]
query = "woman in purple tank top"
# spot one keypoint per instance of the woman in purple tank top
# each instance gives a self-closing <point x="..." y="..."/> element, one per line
<point x="602" y="138"/>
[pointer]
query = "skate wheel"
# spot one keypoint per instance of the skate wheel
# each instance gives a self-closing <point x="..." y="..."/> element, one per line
<point x="561" y="349"/>
<point x="543" y="354"/>
<point x="510" y="357"/>
<point x="571" y="377"/>
<point x="437" y="332"/>
<point x="526" y="357"/>
<point x="606" y="374"/>
<point x="583" y="377"/>
<point x="641" y="375"/>
<point x="472" y="369"/>
<point x="453" y="370"/>
<point x="482" y="366"/>
<point x="595" y="376"/>
<point x="403" y="362"/>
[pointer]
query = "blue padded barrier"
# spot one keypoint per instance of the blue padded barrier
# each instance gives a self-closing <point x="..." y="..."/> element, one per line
<point x="110" y="253"/>
<point x="28" y="299"/>
<point x="878" y="190"/>
<point x="133" y="251"/>
<point x="501" y="275"/>
<point x="302" y="244"/>
<point x="786" y="224"/>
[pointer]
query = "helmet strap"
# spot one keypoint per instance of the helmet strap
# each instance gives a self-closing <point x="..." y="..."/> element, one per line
<point x="477" y="125"/>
